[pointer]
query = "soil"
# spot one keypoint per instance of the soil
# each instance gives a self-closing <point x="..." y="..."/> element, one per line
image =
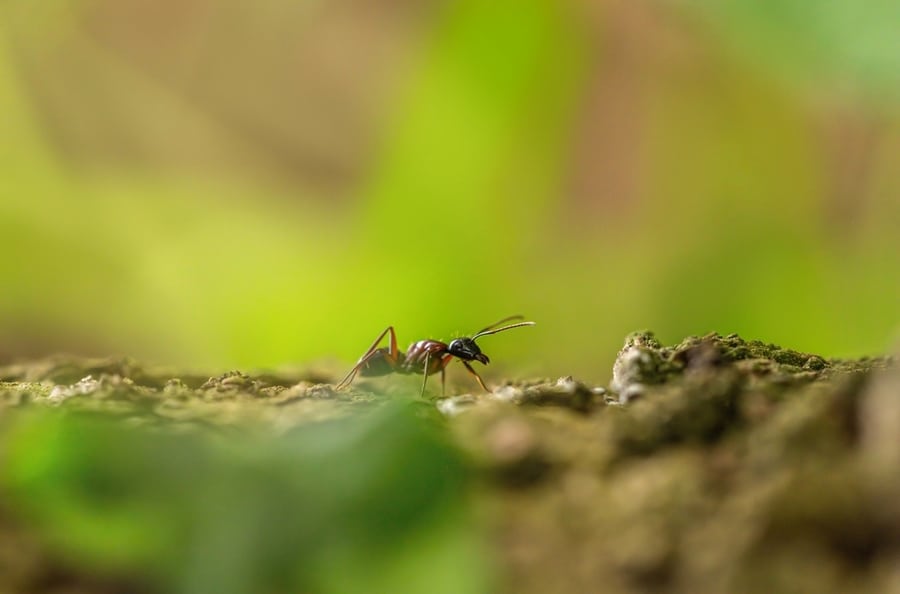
<point x="714" y="465"/>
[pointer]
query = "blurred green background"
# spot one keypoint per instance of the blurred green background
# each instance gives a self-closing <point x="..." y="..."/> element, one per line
<point x="221" y="183"/>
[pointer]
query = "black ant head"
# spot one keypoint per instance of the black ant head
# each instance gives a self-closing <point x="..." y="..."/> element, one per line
<point x="467" y="350"/>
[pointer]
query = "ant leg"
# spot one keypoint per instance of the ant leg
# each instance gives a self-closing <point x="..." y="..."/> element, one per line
<point x="350" y="376"/>
<point x="370" y="352"/>
<point x="475" y="373"/>
<point x="444" y="361"/>
<point x="425" y="379"/>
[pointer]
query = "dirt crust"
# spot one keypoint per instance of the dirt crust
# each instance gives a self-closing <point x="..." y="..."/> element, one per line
<point x="713" y="465"/>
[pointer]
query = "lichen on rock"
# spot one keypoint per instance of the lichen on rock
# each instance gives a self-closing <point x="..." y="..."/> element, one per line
<point x="715" y="464"/>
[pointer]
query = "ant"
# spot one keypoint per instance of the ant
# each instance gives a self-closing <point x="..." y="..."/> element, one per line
<point x="425" y="356"/>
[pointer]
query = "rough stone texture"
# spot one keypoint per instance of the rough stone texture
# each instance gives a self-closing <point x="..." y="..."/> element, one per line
<point x="715" y="465"/>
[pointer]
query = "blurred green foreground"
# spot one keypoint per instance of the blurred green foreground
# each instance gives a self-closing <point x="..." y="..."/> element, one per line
<point x="372" y="503"/>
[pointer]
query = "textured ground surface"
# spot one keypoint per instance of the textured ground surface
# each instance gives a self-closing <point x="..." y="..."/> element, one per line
<point x="715" y="465"/>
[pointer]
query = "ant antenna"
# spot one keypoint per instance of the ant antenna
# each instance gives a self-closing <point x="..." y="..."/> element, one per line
<point x="490" y="329"/>
<point x="495" y="324"/>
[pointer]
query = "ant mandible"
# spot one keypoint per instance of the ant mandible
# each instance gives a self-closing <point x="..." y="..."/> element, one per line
<point x="425" y="356"/>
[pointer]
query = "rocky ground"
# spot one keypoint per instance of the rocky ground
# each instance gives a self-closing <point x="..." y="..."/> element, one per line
<point x="715" y="465"/>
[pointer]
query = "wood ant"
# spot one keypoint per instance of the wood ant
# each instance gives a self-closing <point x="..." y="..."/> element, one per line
<point x="425" y="356"/>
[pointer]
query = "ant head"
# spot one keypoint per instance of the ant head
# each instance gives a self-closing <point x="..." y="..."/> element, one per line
<point x="467" y="350"/>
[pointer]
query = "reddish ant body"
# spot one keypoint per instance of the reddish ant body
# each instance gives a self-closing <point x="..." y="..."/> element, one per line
<point x="425" y="356"/>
